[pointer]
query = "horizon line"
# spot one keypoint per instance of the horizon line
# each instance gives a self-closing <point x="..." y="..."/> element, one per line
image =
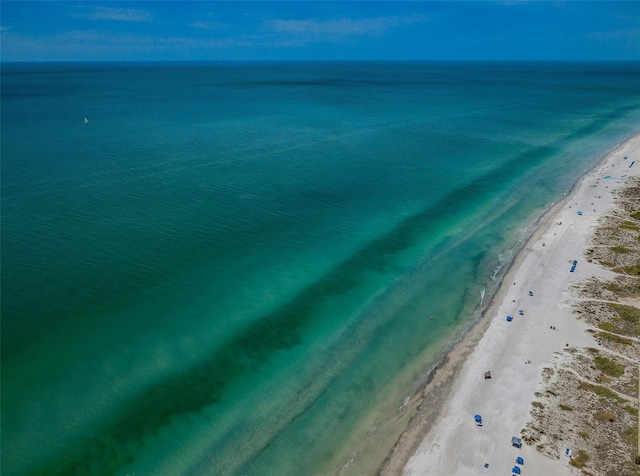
<point x="324" y="61"/>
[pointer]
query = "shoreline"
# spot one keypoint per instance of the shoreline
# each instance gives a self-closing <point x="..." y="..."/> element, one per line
<point x="424" y="439"/>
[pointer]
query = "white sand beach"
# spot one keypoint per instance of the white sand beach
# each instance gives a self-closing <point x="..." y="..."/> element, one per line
<point x="455" y="445"/>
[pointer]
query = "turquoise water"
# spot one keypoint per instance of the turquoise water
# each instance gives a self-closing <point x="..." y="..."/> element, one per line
<point x="240" y="268"/>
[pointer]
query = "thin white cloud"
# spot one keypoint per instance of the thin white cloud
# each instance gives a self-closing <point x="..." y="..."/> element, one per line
<point x="344" y="27"/>
<point x="95" y="45"/>
<point x="208" y="25"/>
<point x="114" y="14"/>
<point x="334" y="30"/>
<point x="631" y="35"/>
<point x="629" y="18"/>
<point x="100" y="45"/>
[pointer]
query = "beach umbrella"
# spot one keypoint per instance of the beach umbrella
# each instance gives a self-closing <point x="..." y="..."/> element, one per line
<point x="478" y="418"/>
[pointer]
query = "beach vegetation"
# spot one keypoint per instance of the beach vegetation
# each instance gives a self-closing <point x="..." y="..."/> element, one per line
<point x="604" y="379"/>
<point x="628" y="225"/>
<point x="536" y="404"/>
<point x="583" y="434"/>
<point x="604" y="416"/>
<point x="638" y="459"/>
<point x="628" y="313"/>
<point x="566" y="408"/>
<point x="632" y="410"/>
<point x="633" y="270"/>
<point x="607" y="326"/>
<point x="615" y="338"/>
<point x="620" y="249"/>
<point x="608" y="366"/>
<point x="586" y="386"/>
<point x="606" y="393"/>
<point x="631" y="435"/>
<point x="623" y="328"/>
<point x="600" y="391"/>
<point x="530" y="435"/>
<point x="614" y="287"/>
<point x="624" y="288"/>
<point x="580" y="459"/>
<point x="636" y="215"/>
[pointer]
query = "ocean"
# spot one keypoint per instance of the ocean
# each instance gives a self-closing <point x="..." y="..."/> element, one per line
<point x="248" y="268"/>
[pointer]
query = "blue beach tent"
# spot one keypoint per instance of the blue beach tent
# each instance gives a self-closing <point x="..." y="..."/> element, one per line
<point x="516" y="470"/>
<point x="478" y="418"/>
<point x="519" y="460"/>
<point x="509" y="318"/>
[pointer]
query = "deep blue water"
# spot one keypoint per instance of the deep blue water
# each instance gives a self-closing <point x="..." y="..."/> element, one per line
<point x="239" y="268"/>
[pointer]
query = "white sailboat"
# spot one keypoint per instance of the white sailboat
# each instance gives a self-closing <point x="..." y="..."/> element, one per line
<point x="86" y="121"/>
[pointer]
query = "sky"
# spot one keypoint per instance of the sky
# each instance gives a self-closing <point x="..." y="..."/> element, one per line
<point x="76" y="30"/>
